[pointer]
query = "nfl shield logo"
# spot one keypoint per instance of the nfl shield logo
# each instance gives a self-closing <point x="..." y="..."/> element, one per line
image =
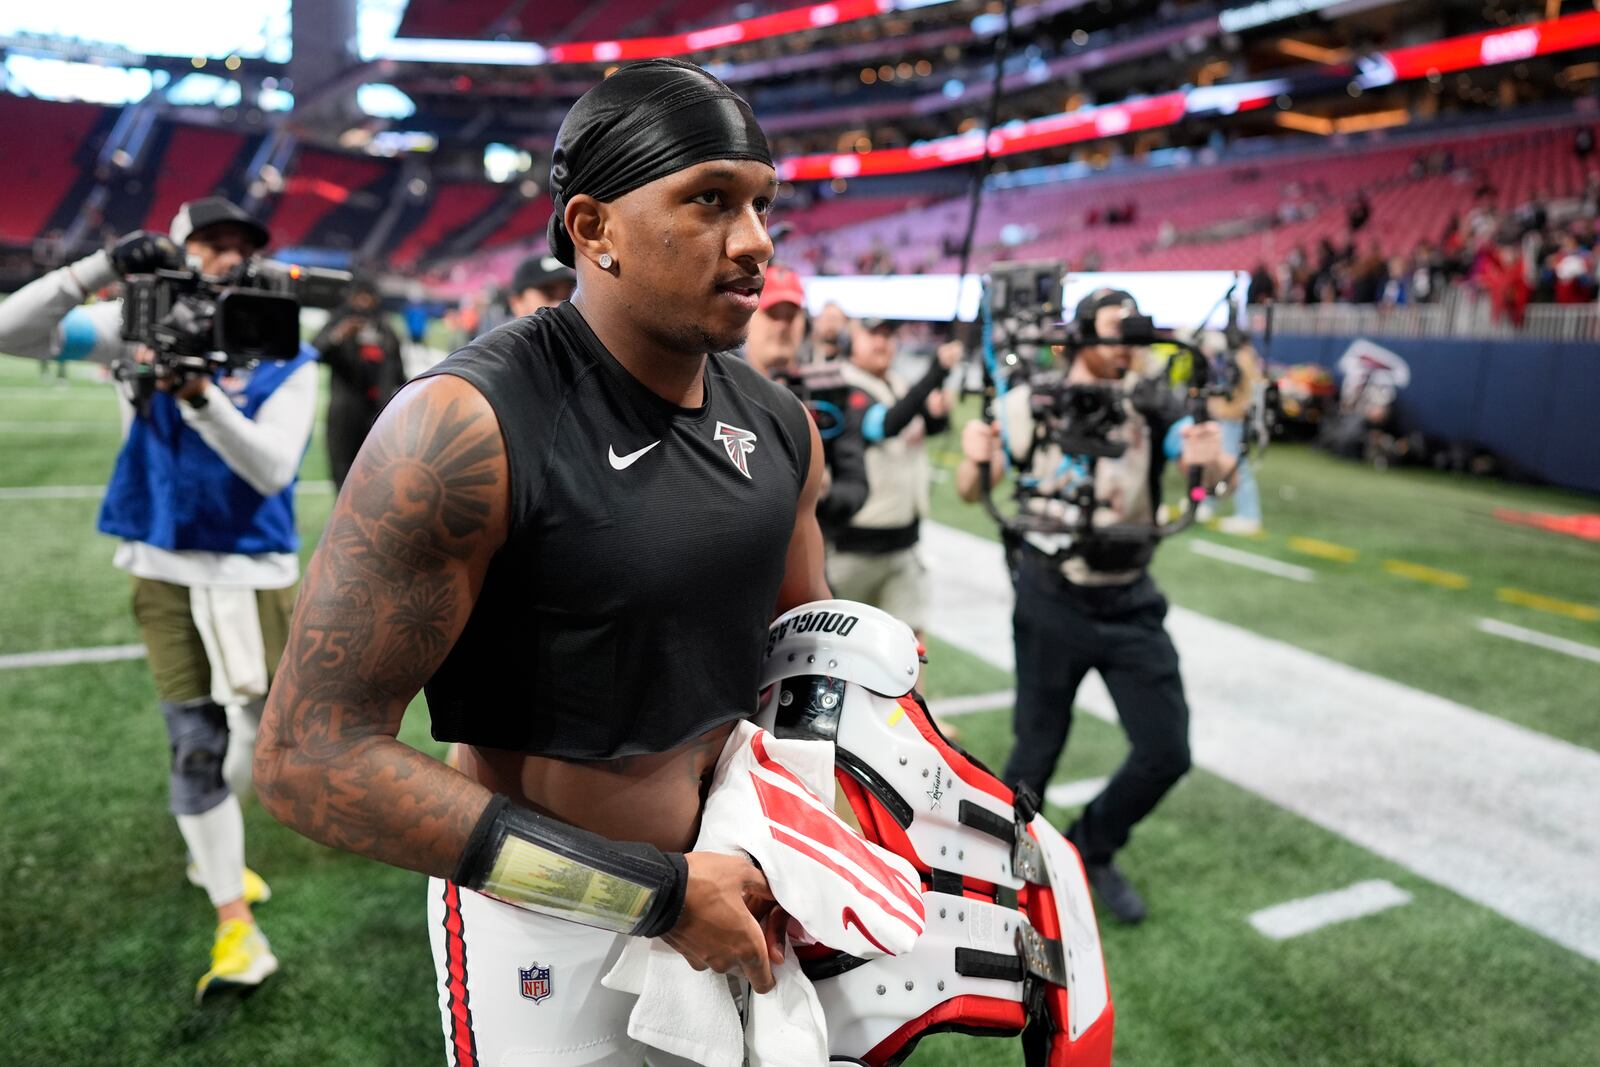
<point x="535" y="982"/>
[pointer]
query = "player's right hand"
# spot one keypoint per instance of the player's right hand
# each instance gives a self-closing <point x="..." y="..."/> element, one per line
<point x="720" y="927"/>
<point x="142" y="252"/>
<point x="978" y="441"/>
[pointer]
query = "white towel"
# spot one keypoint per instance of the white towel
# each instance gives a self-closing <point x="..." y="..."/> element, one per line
<point x="230" y="628"/>
<point x="765" y="801"/>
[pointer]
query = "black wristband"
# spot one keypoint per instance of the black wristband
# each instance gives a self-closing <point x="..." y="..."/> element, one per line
<point x="626" y="869"/>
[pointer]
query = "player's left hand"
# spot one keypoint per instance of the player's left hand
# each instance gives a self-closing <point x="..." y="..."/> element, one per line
<point x="1202" y="444"/>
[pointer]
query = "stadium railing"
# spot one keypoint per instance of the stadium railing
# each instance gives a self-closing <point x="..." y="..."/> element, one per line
<point x="1461" y="315"/>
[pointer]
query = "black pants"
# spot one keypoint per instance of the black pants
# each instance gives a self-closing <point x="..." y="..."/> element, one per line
<point x="1063" y="631"/>
<point x="350" y="419"/>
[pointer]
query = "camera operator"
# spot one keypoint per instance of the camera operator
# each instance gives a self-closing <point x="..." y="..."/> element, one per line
<point x="776" y="331"/>
<point x="202" y="498"/>
<point x="362" y="352"/>
<point x="539" y="282"/>
<point x="873" y="557"/>
<point x="831" y="333"/>
<point x="1098" y="609"/>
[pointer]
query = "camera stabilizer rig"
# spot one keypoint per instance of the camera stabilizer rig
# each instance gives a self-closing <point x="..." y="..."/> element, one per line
<point x="1023" y="317"/>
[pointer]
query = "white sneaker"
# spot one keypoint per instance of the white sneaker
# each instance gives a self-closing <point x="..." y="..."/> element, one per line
<point x="1239" y="526"/>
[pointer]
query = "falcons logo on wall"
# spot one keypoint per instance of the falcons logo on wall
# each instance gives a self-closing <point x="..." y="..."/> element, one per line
<point x="739" y="443"/>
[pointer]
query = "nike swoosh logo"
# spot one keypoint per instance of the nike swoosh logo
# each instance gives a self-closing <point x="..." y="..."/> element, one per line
<point x="850" y="918"/>
<point x="622" y="463"/>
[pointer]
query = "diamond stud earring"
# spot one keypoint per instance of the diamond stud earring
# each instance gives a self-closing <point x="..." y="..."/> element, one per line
<point x="606" y="261"/>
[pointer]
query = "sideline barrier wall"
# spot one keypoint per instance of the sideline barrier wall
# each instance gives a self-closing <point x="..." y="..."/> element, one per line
<point x="1535" y="403"/>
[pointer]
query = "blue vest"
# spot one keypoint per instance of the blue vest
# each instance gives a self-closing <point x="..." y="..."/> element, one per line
<point x="170" y="490"/>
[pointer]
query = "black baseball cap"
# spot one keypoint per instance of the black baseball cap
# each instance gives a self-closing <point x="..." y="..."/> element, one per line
<point x="196" y="215"/>
<point x="540" y="272"/>
<point x="870" y="323"/>
<point x="1103" y="298"/>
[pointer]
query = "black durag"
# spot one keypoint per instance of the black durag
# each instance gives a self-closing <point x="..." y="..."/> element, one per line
<point x="646" y="121"/>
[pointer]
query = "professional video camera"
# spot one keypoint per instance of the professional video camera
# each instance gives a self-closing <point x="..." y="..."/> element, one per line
<point x="1027" y="329"/>
<point x="196" y="325"/>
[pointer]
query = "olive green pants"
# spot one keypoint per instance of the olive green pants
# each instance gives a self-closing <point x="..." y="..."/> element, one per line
<point x="176" y="653"/>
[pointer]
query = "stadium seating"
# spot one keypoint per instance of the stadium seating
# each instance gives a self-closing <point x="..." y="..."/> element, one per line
<point x="41" y="175"/>
<point x="317" y="183"/>
<point x="1180" y="217"/>
<point x="197" y="161"/>
<point x="527" y="221"/>
<point x="455" y="204"/>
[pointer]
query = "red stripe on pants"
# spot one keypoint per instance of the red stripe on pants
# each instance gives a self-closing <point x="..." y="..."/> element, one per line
<point x="455" y="955"/>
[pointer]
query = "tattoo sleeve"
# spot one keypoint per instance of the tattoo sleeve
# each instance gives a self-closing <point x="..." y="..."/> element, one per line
<point x="386" y="594"/>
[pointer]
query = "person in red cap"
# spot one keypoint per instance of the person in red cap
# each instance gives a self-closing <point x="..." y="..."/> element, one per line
<point x="776" y="332"/>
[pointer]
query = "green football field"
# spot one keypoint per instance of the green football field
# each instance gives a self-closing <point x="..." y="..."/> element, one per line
<point x="101" y="938"/>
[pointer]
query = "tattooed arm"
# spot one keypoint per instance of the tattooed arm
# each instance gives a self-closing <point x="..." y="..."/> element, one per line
<point x="385" y="597"/>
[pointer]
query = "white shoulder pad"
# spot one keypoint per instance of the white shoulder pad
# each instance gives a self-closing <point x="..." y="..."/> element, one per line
<point x="843" y="639"/>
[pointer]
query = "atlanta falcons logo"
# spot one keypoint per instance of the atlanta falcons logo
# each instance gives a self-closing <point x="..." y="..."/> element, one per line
<point x="739" y="443"/>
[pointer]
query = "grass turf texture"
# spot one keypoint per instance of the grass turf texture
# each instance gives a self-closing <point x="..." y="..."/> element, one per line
<point x="102" y="938"/>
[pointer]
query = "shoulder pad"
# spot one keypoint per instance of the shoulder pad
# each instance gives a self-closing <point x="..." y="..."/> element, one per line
<point x="843" y="639"/>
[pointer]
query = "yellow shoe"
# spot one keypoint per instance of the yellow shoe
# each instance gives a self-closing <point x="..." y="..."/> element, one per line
<point x="239" y="957"/>
<point x="256" y="889"/>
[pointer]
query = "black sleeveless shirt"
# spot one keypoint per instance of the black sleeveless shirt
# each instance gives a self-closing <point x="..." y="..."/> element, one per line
<point x="628" y="609"/>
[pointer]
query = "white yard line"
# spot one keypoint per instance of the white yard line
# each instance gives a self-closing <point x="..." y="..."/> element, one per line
<point x="1293" y="918"/>
<point x="1540" y="640"/>
<point x="95" y="492"/>
<point x="52" y="492"/>
<point x="953" y="706"/>
<point x="66" y="657"/>
<point x="1503" y="815"/>
<point x="1264" y="564"/>
<point x="58" y="427"/>
<point x="1074" y="794"/>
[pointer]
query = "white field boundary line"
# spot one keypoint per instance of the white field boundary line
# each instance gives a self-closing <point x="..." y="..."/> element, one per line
<point x="95" y="492"/>
<point x="1074" y="794"/>
<point x="67" y="657"/>
<point x="1295" y="917"/>
<point x="1576" y="649"/>
<point x="950" y="707"/>
<point x="1264" y="564"/>
<point x="1498" y="813"/>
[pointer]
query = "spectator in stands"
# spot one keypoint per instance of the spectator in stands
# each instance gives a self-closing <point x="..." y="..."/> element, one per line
<point x="362" y="351"/>
<point x="539" y="282"/>
<point x="1583" y="143"/>
<point x="1574" y="272"/>
<point x="201" y="499"/>
<point x="773" y="348"/>
<point x="1360" y="211"/>
<point x="873" y="557"/>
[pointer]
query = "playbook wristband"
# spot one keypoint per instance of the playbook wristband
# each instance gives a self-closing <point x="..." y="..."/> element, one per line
<point x="544" y="865"/>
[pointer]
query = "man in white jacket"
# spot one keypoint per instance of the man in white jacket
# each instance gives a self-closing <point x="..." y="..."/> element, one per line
<point x="202" y="500"/>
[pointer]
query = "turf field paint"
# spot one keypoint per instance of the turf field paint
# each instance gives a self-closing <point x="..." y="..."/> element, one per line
<point x="1075" y="794"/>
<point x="1293" y="918"/>
<point x="1310" y="546"/>
<point x="1264" y="564"/>
<point x="1496" y="812"/>
<point x="67" y="657"/>
<point x="1416" y="572"/>
<point x="1541" y="640"/>
<point x="1549" y="604"/>
<point x="952" y="706"/>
